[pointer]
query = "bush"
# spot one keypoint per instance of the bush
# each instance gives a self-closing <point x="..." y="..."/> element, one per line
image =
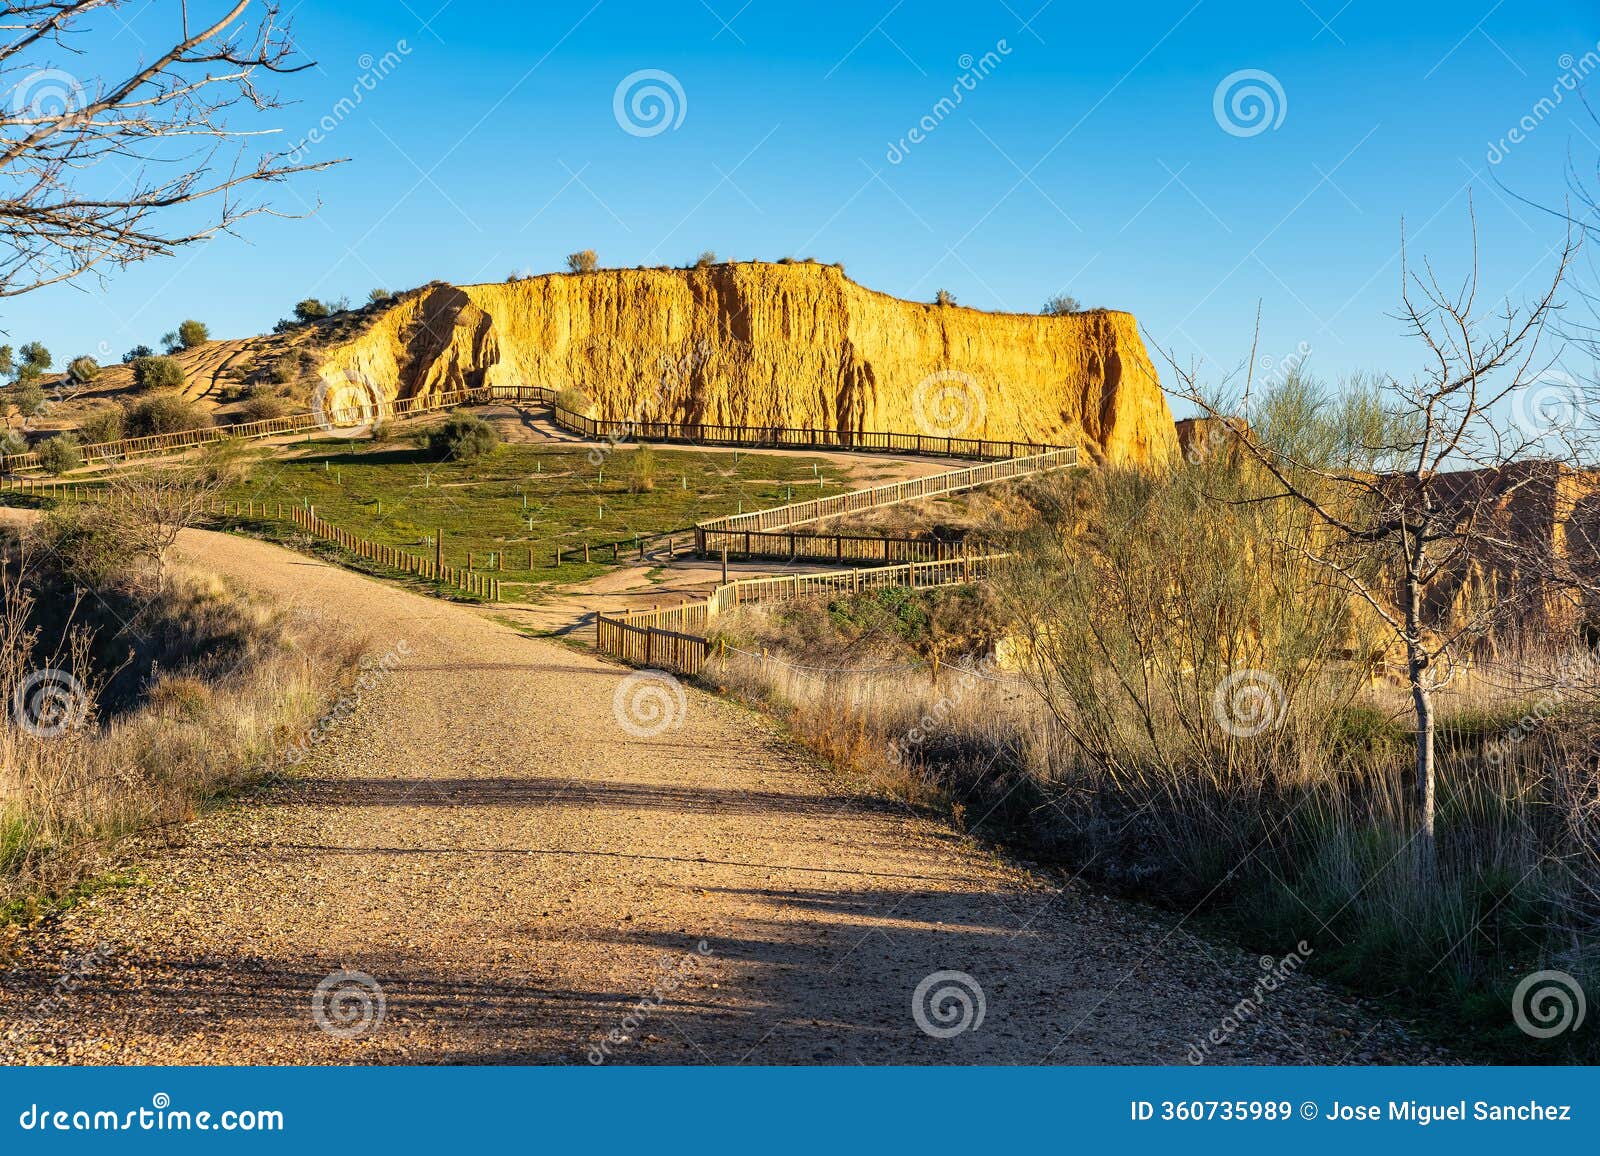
<point x="1061" y="304"/>
<point x="136" y="353"/>
<point x="705" y="260"/>
<point x="152" y="373"/>
<point x="263" y="408"/>
<point x="59" y="455"/>
<point x="379" y="296"/>
<point x="27" y="397"/>
<point x="584" y="261"/>
<point x="944" y="298"/>
<point x="83" y="370"/>
<point x="311" y="310"/>
<point x="34" y="357"/>
<point x="165" y="413"/>
<point x="641" y="470"/>
<point x="463" y="438"/>
<point x="103" y="425"/>
<point x="193" y="333"/>
<point x="574" y="400"/>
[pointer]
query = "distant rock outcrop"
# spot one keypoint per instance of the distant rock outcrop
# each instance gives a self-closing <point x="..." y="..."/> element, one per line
<point x="776" y="345"/>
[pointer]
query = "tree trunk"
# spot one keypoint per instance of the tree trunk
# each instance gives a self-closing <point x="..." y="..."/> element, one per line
<point x="1422" y="703"/>
<point x="1421" y="679"/>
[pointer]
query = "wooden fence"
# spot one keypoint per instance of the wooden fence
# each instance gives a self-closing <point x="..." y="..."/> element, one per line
<point x="761" y="437"/>
<point x="433" y="569"/>
<point x="57" y="490"/>
<point x="662" y="638"/>
<point x="287" y="425"/>
<point x="729" y="532"/>
<point x="794" y="437"/>
<point x="792" y="546"/>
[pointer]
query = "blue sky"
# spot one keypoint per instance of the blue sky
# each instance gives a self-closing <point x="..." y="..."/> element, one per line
<point x="1090" y="158"/>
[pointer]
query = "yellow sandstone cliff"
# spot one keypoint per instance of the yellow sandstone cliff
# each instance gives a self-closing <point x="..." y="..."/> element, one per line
<point x="776" y="345"/>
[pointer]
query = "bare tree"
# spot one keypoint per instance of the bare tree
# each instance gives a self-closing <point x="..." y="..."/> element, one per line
<point x="1419" y="489"/>
<point x="146" y="509"/>
<point x="166" y="125"/>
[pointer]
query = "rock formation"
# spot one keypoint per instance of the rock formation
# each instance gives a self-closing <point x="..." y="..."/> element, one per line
<point x="776" y="345"/>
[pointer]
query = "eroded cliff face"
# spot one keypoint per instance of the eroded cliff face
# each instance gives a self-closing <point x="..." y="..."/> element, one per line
<point x="778" y="345"/>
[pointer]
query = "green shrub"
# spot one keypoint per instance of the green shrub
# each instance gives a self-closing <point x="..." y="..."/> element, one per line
<point x="641" y="470"/>
<point x="1060" y="305"/>
<point x="83" y="370"/>
<point x="263" y="408"/>
<point x="193" y="333"/>
<point x="60" y="454"/>
<point x="27" y="396"/>
<point x="165" y="413"/>
<point x="463" y="438"/>
<point x="34" y="357"/>
<point x="311" y="309"/>
<point x="152" y="373"/>
<point x="944" y="298"/>
<point x="574" y="400"/>
<point x="103" y="425"/>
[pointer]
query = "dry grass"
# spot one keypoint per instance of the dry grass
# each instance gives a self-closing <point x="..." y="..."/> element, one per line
<point x="1104" y="753"/>
<point x="239" y="682"/>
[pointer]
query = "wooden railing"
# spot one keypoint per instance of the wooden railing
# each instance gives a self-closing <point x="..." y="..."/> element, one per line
<point x="763" y="437"/>
<point x="792" y="546"/>
<point x="730" y="532"/>
<point x="151" y="444"/>
<point x="433" y="569"/>
<point x="793" y="437"/>
<point x="663" y="638"/>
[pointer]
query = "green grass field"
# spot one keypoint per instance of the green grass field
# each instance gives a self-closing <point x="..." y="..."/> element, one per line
<point x="523" y="496"/>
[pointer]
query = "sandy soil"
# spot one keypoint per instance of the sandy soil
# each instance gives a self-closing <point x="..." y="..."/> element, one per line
<point x="495" y="837"/>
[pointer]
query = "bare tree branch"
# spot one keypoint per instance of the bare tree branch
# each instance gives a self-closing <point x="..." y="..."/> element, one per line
<point x="93" y="168"/>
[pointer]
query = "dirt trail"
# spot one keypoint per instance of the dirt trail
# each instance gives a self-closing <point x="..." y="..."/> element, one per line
<point x="517" y="871"/>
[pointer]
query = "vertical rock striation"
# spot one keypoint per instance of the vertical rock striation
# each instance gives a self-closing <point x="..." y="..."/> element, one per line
<point x="778" y="344"/>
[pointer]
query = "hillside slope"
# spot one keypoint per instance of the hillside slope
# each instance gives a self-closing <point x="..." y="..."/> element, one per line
<point x="757" y="344"/>
<point x="775" y="344"/>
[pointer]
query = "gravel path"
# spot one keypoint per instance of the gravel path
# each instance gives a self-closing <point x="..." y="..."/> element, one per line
<point x="527" y="881"/>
